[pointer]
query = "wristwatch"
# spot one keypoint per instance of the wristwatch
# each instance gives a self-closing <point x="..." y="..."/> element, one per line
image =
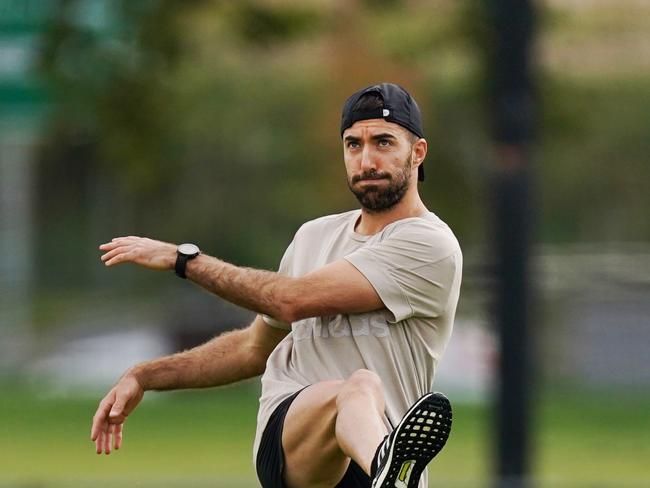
<point x="184" y="253"/>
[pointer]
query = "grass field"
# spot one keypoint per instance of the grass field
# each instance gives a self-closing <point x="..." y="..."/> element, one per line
<point x="203" y="439"/>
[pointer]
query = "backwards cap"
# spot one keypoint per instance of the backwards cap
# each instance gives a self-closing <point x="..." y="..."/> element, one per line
<point x="397" y="106"/>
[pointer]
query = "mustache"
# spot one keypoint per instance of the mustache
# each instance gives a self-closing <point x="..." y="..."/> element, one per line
<point x="371" y="175"/>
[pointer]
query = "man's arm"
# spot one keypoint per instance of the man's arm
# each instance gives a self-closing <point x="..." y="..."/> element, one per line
<point x="335" y="288"/>
<point x="231" y="357"/>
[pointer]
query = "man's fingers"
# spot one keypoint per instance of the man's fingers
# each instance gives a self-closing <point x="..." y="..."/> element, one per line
<point x="116" y="414"/>
<point x="96" y="429"/>
<point x="107" y="246"/>
<point x="114" y="252"/>
<point x="121" y="258"/>
<point x="99" y="440"/>
<point x="118" y="241"/>
<point x="123" y="252"/>
<point x="100" y="420"/>
<point x="107" y="439"/>
<point x="103" y="439"/>
<point x="117" y="436"/>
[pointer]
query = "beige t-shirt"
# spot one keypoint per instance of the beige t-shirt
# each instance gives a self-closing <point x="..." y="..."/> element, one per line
<point x="415" y="266"/>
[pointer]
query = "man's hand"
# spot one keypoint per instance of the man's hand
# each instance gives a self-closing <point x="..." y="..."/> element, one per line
<point x="111" y="414"/>
<point x="139" y="250"/>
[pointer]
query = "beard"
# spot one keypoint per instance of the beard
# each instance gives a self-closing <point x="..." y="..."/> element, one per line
<point x="380" y="198"/>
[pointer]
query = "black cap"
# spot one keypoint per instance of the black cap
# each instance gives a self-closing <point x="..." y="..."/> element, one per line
<point x="398" y="107"/>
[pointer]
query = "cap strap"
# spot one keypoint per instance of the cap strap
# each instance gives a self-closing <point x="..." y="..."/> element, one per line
<point x="371" y="114"/>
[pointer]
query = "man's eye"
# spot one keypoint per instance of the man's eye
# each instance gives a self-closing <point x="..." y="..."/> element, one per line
<point x="384" y="142"/>
<point x="352" y="144"/>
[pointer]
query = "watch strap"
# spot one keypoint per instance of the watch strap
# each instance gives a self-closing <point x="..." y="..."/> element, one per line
<point x="181" y="264"/>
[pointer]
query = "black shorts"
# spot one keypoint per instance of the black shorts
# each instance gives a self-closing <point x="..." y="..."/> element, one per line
<point x="270" y="456"/>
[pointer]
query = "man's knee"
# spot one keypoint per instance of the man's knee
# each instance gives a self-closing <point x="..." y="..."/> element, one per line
<point x="364" y="378"/>
<point x="361" y="382"/>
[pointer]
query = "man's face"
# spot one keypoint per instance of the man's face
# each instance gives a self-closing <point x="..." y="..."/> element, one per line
<point x="378" y="158"/>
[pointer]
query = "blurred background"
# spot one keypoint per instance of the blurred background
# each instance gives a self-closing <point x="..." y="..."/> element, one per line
<point x="216" y="122"/>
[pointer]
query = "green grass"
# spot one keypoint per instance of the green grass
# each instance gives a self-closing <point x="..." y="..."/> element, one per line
<point x="204" y="439"/>
<point x="595" y="440"/>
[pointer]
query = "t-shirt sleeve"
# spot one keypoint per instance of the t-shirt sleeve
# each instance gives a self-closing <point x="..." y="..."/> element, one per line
<point x="412" y="270"/>
<point x="285" y="269"/>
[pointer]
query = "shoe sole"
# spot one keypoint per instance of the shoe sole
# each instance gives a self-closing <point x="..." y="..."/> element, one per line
<point x="416" y="440"/>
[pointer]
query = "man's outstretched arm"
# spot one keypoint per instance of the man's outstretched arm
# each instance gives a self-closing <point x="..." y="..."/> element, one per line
<point x="228" y="358"/>
<point x="335" y="288"/>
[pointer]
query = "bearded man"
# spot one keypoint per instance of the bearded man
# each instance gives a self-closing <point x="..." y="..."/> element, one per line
<point x="349" y="330"/>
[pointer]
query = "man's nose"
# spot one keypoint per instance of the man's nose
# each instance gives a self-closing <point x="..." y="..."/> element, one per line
<point x="367" y="159"/>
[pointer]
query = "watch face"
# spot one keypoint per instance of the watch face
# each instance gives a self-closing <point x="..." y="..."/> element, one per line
<point x="189" y="249"/>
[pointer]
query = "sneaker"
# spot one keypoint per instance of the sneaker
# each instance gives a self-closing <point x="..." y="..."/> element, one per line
<point x="422" y="433"/>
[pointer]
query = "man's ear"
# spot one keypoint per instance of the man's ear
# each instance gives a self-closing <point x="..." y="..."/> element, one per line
<point x="419" y="150"/>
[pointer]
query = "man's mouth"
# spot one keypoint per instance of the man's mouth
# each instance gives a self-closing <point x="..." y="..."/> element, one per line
<point x="368" y="178"/>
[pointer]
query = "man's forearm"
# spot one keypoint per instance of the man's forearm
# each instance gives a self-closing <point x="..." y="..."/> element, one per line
<point x="257" y="290"/>
<point x="223" y="360"/>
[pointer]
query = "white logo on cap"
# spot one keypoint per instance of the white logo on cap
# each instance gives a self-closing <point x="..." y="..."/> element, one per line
<point x="386" y="112"/>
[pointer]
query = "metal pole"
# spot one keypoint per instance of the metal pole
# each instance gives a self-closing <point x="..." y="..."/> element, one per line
<point x="512" y="186"/>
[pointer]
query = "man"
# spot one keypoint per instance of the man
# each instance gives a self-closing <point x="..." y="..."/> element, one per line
<point x="349" y="330"/>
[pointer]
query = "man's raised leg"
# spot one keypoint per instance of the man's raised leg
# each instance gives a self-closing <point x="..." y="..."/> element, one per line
<point x="327" y="424"/>
<point x="359" y="425"/>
